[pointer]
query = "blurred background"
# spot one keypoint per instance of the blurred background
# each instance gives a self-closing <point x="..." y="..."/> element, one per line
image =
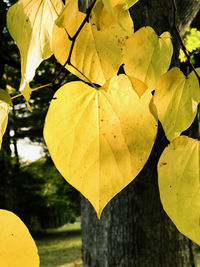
<point x="30" y="185"/>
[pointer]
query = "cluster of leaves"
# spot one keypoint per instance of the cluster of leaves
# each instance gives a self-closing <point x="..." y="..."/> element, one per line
<point x="191" y="42"/>
<point x="100" y="131"/>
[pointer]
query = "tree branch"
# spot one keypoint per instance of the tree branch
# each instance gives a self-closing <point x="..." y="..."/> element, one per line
<point x="73" y="39"/>
<point x="68" y="61"/>
<point x="35" y="89"/>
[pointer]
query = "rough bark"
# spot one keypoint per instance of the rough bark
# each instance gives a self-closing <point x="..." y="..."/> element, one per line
<point x="159" y="14"/>
<point x="134" y="230"/>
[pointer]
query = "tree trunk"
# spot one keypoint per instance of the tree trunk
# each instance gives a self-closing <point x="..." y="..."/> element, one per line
<point x="134" y="230"/>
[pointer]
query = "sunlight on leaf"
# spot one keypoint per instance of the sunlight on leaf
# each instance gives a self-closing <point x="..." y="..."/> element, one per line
<point x="131" y="2"/>
<point x="111" y="7"/>
<point x="30" y="23"/>
<point x="17" y="247"/>
<point x="97" y="52"/>
<point x="71" y="17"/>
<point x="5" y="102"/>
<point x="138" y="86"/>
<point x="147" y="56"/>
<point x="100" y="139"/>
<point x="176" y="98"/>
<point x="110" y="3"/>
<point x="178" y="176"/>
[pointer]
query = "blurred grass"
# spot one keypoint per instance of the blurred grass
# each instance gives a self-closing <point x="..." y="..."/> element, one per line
<point x="60" y="247"/>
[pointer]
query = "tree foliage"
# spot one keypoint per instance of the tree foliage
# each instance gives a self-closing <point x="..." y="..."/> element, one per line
<point x="100" y="131"/>
<point x="191" y="42"/>
<point x="47" y="198"/>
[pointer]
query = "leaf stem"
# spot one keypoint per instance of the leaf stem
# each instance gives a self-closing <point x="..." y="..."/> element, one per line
<point x="73" y="39"/>
<point x="83" y="76"/>
<point x="32" y="90"/>
<point x="68" y="61"/>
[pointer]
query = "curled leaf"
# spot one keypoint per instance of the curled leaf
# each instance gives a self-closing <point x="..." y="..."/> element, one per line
<point x="30" y="23"/>
<point x="176" y="99"/>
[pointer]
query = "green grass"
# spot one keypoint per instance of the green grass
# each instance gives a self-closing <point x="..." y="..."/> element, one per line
<point x="60" y="247"/>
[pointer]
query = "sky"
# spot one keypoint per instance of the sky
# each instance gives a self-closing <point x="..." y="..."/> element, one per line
<point x="29" y="151"/>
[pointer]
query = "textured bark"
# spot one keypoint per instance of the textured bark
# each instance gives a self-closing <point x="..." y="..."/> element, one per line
<point x="134" y="230"/>
<point x="159" y="14"/>
<point x="2" y="24"/>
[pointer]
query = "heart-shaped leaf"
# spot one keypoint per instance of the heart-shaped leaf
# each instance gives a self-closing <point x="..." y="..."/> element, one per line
<point x="147" y="56"/>
<point x="17" y="247"/>
<point x="100" y="139"/>
<point x="178" y="176"/>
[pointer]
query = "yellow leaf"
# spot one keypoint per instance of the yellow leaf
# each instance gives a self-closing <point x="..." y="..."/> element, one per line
<point x="100" y="139"/>
<point x="147" y="56"/>
<point x="178" y="176"/>
<point x="110" y="3"/>
<point x="4" y="96"/>
<point x="138" y="86"/>
<point x="71" y="17"/>
<point x="5" y="101"/>
<point x="97" y="52"/>
<point x="176" y="98"/>
<point x="131" y="2"/>
<point x="30" y="23"/>
<point x="17" y="248"/>
<point x="111" y="7"/>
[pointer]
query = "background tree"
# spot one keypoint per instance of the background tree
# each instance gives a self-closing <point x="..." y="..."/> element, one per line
<point x="45" y="200"/>
<point x="36" y="192"/>
<point x="5" y="153"/>
<point x="134" y="229"/>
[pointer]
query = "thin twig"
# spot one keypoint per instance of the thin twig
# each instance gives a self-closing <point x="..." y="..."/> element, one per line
<point x="180" y="39"/>
<point x="83" y="76"/>
<point x="32" y="90"/>
<point x="68" y="61"/>
<point x="73" y="39"/>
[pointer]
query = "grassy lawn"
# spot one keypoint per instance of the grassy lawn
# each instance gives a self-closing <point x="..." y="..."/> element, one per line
<point x="60" y="247"/>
